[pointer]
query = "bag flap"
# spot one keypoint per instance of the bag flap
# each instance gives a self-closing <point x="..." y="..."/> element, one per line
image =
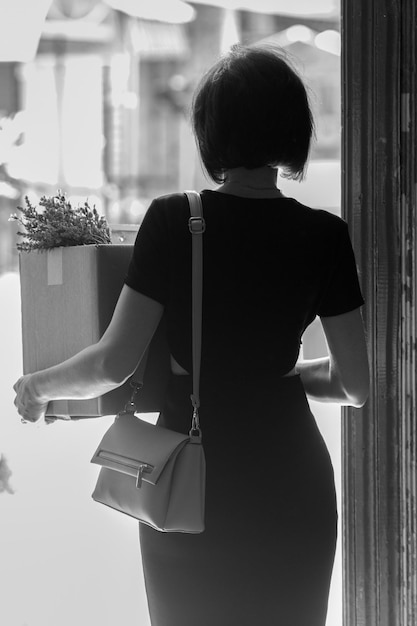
<point x="131" y="443"/>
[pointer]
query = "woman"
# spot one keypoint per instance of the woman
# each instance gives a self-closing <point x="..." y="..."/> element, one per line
<point x="271" y="265"/>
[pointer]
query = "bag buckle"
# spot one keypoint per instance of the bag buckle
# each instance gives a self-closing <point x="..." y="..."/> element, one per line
<point x="130" y="407"/>
<point x="143" y="468"/>
<point x="196" y="225"/>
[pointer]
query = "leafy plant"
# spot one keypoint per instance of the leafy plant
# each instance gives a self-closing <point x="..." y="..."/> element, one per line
<point x="58" y="223"/>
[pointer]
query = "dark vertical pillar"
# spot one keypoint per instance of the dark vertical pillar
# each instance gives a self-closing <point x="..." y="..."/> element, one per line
<point x="407" y="392"/>
<point x="379" y="202"/>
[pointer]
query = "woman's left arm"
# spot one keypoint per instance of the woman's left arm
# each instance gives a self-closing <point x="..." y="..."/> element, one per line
<point x="98" y="368"/>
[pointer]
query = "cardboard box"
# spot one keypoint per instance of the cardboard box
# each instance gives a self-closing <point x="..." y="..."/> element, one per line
<point x="68" y="298"/>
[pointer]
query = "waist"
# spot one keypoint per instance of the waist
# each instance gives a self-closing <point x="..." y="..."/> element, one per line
<point x="278" y="403"/>
<point x="178" y="370"/>
<point x="237" y="388"/>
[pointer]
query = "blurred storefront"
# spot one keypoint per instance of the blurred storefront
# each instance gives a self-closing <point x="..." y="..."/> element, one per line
<point x="93" y="100"/>
<point x="99" y="109"/>
<point x="102" y="106"/>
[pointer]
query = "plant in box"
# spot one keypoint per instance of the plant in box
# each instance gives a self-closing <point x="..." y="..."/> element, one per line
<point x="71" y="279"/>
<point x="58" y="224"/>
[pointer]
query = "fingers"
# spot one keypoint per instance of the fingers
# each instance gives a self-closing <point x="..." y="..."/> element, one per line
<point x="31" y="416"/>
<point x="29" y="410"/>
<point x="28" y="418"/>
<point x="26" y="403"/>
<point x="48" y="419"/>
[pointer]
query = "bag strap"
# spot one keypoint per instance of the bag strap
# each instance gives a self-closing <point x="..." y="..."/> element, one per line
<point x="197" y="226"/>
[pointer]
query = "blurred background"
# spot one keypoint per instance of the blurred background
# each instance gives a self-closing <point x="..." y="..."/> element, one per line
<point x="94" y="100"/>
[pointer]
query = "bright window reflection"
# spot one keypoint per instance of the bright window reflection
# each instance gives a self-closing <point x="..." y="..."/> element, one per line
<point x="105" y="118"/>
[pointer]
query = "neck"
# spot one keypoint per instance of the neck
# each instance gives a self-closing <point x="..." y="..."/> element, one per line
<point x="257" y="183"/>
<point x="259" y="178"/>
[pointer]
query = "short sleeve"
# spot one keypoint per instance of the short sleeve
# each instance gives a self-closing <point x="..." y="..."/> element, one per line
<point x="148" y="268"/>
<point x="342" y="292"/>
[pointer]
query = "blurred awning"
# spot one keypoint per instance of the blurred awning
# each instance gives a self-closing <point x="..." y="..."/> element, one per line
<point x="168" y="11"/>
<point x="320" y="9"/>
<point x="21" y="23"/>
<point x="158" y="40"/>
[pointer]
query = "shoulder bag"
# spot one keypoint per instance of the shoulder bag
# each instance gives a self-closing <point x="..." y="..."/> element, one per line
<point x="154" y="474"/>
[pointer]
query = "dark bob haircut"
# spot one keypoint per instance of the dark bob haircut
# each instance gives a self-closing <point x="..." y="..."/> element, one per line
<point x="251" y="109"/>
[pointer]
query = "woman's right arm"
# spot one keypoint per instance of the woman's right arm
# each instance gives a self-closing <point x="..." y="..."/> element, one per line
<point x="99" y="368"/>
<point x="342" y="376"/>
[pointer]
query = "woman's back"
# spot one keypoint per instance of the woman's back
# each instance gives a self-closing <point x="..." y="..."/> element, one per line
<point x="270" y="266"/>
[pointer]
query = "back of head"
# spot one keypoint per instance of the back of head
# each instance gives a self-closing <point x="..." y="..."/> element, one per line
<point x="251" y="109"/>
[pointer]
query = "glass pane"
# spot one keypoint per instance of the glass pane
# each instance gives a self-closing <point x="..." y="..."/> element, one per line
<point x="107" y="121"/>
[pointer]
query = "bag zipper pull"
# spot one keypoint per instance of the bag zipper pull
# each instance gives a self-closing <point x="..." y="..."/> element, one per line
<point x="143" y="467"/>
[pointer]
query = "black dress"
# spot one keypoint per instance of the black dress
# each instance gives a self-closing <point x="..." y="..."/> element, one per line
<point x="270" y="266"/>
